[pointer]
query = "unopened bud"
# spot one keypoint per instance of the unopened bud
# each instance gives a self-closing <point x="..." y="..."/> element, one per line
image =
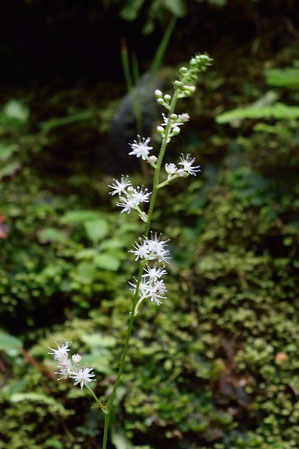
<point x="152" y="159"/>
<point x="170" y="169"/>
<point x="158" y="93"/>
<point x="160" y="130"/>
<point x="160" y="101"/>
<point x="167" y="97"/>
<point x="183" y="70"/>
<point x="181" y="172"/>
<point x="176" y="130"/>
<point x="178" y="83"/>
<point x="192" y="89"/>
<point x="76" y="358"/>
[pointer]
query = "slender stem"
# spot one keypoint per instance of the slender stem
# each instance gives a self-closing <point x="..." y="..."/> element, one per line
<point x="141" y="265"/>
<point x="159" y="162"/>
<point x="97" y="400"/>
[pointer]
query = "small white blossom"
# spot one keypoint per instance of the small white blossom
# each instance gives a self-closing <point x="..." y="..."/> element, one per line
<point x="127" y="204"/>
<point x="156" y="248"/>
<point x="119" y="187"/>
<point x="61" y="352"/>
<point x="83" y="377"/>
<point x="171" y="169"/>
<point x="183" y="117"/>
<point x="140" y="196"/>
<point x="76" y="358"/>
<point x="65" y="369"/>
<point x="154" y="273"/>
<point x="151" y="249"/>
<point x="140" y="148"/>
<point x="187" y="164"/>
<point x="156" y="292"/>
<point x="140" y="250"/>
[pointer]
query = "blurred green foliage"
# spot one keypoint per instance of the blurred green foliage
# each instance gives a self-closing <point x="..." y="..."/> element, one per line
<point x="216" y="365"/>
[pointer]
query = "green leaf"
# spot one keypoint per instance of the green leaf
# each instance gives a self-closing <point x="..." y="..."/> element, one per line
<point x="98" y="361"/>
<point x="7" y="150"/>
<point x="99" y="340"/>
<point x="288" y="77"/>
<point x="53" y="442"/>
<point x="80" y="216"/>
<point x="120" y="440"/>
<point x="9" y="169"/>
<point x="31" y="396"/>
<point x="176" y="7"/>
<point x="113" y="244"/>
<point x="87" y="253"/>
<point x="279" y="111"/>
<point x="130" y="11"/>
<point x="107" y="262"/>
<point x="51" y="235"/>
<point x="9" y="343"/>
<point x="53" y="123"/>
<point x="85" y="272"/>
<point x="96" y="229"/>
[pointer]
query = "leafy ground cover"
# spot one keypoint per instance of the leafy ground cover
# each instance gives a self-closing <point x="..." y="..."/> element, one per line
<point x="216" y="365"/>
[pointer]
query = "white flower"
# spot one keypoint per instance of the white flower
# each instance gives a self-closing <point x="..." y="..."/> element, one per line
<point x="187" y="164"/>
<point x="61" y="352"/>
<point x="156" y="292"/>
<point x="127" y="204"/>
<point x="140" y="148"/>
<point x="142" y="288"/>
<point x="151" y="249"/>
<point x="140" y="249"/>
<point x="183" y="117"/>
<point x="153" y="290"/>
<point x="120" y="187"/>
<point x="76" y="358"/>
<point x="83" y="377"/>
<point x="156" y="248"/>
<point x="65" y="369"/>
<point x="170" y="169"/>
<point x="154" y="273"/>
<point x="140" y="196"/>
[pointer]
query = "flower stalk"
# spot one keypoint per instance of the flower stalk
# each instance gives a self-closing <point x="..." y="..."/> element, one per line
<point x="150" y="248"/>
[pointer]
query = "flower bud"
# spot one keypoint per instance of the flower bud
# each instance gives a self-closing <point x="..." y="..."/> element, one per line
<point x="152" y="159"/>
<point x="160" y="101"/>
<point x="183" y="70"/>
<point x="178" y="83"/>
<point x="76" y="358"/>
<point x="160" y="130"/>
<point x="176" y="130"/>
<point x="158" y="93"/>
<point x="167" y="97"/>
<point x="170" y="169"/>
<point x="181" y="172"/>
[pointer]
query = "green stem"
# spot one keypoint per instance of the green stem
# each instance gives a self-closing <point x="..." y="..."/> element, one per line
<point x="141" y="265"/>
<point x="159" y="163"/>
<point x="97" y="400"/>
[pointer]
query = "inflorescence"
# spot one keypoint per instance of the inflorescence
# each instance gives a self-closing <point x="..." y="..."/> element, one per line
<point x="148" y="250"/>
<point x="70" y="368"/>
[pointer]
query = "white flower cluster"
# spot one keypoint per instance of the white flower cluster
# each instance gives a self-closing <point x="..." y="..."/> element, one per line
<point x="70" y="368"/>
<point x="130" y="198"/>
<point x="151" y="285"/>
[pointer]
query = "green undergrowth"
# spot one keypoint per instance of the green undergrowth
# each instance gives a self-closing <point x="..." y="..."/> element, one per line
<point x="216" y="365"/>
